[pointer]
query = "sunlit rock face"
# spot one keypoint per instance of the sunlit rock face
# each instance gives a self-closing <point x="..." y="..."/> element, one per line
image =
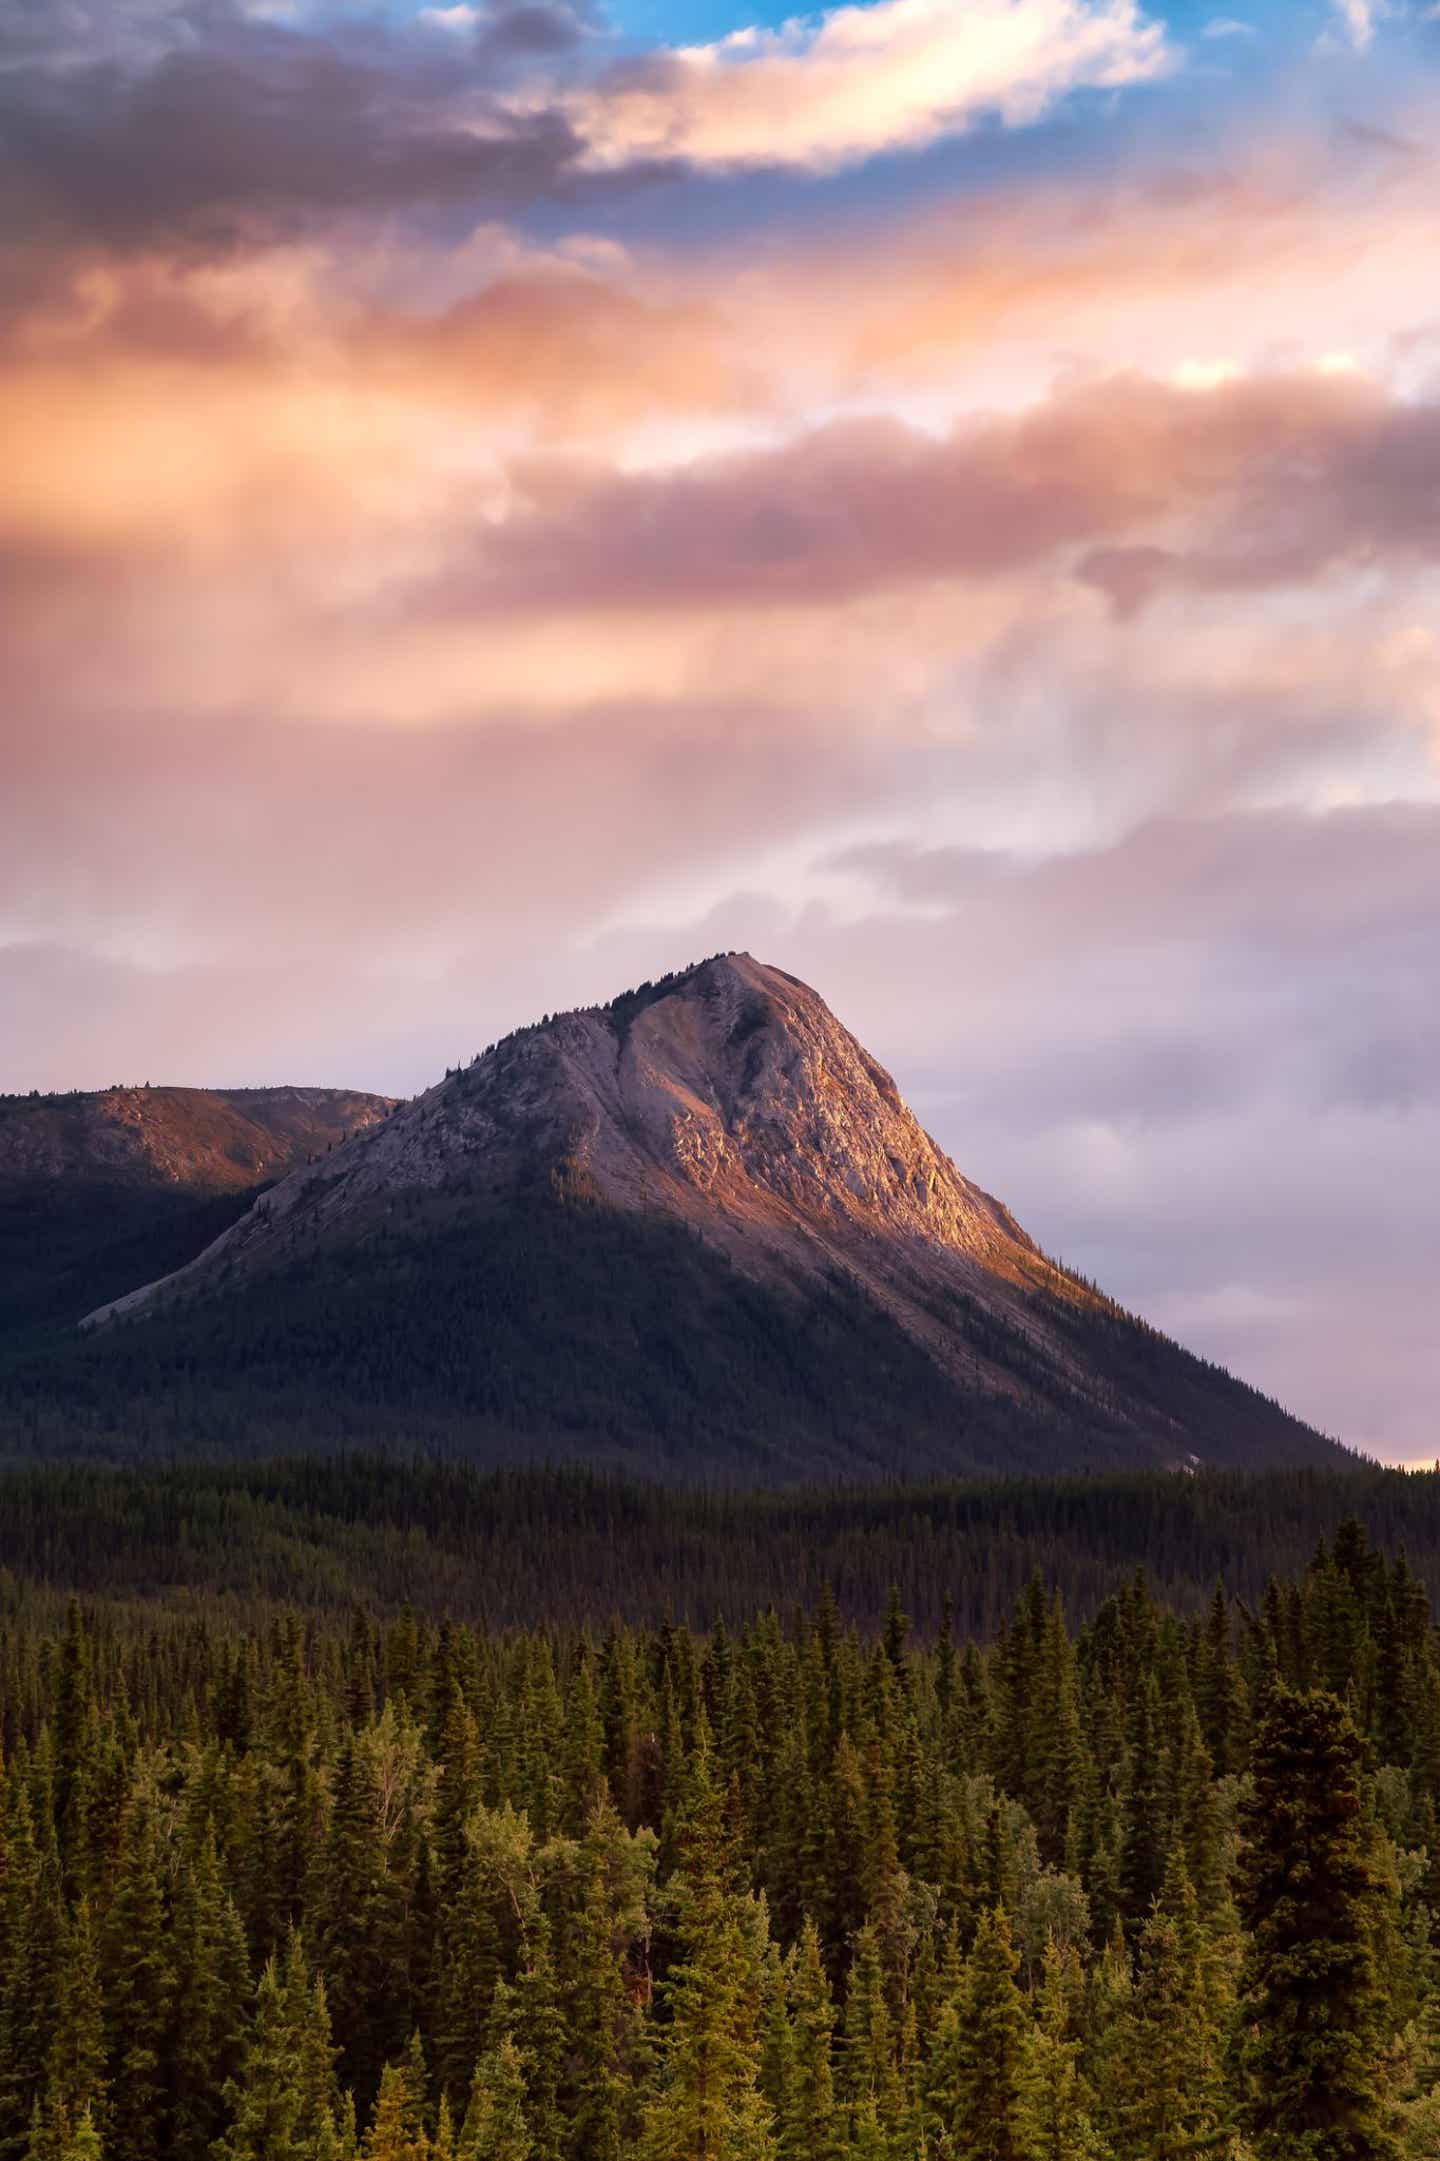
<point x="211" y="1140"/>
<point x="729" y="1097"/>
<point x="730" y="1102"/>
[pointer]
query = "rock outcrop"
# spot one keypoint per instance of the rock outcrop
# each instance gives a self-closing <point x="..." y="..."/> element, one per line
<point x="213" y="1140"/>
<point x="729" y="1100"/>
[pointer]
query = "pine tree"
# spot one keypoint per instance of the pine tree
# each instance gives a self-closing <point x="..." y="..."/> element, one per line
<point x="75" y="2082"/>
<point x="284" y="2102"/>
<point x="397" y="2129"/>
<point x="212" y="1989"/>
<point x="496" y="2126"/>
<point x="809" y="2126"/>
<point x="1312" y="1900"/>
<point x="538" y="2028"/>
<point x="610" y="1983"/>
<point x="1169" y="2092"/>
<point x="29" y="1932"/>
<point x="1146" y="1835"/>
<point x="1056" y="2122"/>
<point x="869" y="2059"/>
<point x="709" y="2106"/>
<point x="60" y="2136"/>
<point x="984" y="2072"/>
<point x="139" y="1991"/>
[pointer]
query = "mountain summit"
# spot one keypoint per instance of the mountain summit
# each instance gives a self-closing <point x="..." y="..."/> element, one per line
<point x="696" y="1229"/>
<point x="728" y="1098"/>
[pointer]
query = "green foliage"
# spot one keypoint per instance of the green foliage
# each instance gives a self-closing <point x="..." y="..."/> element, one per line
<point x="368" y="1883"/>
<point x="496" y="2127"/>
<point x="708" y="2105"/>
<point x="567" y="1546"/>
<point x="1314" y="1903"/>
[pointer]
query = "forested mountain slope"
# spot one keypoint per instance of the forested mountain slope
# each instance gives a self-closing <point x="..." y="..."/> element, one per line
<point x="100" y="1190"/>
<point x="695" y="1234"/>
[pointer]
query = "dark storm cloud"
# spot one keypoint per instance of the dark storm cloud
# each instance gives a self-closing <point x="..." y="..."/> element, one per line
<point x="201" y="127"/>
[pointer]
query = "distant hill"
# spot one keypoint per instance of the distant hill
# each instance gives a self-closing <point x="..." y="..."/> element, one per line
<point x="99" y="1190"/>
<point x="695" y="1233"/>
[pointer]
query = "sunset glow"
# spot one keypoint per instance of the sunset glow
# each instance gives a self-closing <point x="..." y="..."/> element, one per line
<point x="501" y="501"/>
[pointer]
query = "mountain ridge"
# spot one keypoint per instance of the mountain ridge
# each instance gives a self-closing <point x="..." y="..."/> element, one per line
<point x="698" y="1216"/>
<point x="215" y="1139"/>
<point x="99" y="1187"/>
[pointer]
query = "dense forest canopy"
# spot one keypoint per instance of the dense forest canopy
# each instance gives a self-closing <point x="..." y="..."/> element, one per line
<point x="797" y="1887"/>
<point x="563" y="1545"/>
<point x="502" y="1332"/>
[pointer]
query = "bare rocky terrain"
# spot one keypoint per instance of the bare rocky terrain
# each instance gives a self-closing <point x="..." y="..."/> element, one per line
<point x="732" y="1100"/>
<point x="215" y="1140"/>
<point x="729" y="1103"/>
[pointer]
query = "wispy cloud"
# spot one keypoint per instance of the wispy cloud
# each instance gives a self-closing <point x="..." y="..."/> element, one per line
<point x="826" y="90"/>
<point x="1359" y="19"/>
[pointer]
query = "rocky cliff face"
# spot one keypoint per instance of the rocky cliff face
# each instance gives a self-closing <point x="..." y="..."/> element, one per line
<point x="214" y="1140"/>
<point x="729" y="1098"/>
<point x="697" y="1232"/>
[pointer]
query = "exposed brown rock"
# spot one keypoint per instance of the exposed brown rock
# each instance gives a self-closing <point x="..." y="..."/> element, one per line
<point x="214" y="1140"/>
<point x="732" y="1099"/>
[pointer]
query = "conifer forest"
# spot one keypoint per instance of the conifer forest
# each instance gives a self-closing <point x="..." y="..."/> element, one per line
<point x="286" y="1882"/>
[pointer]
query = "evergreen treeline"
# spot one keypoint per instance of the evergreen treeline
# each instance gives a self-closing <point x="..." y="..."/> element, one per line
<point x="565" y="1546"/>
<point x="69" y="1244"/>
<point x="414" y="1891"/>
<point x="499" y="1330"/>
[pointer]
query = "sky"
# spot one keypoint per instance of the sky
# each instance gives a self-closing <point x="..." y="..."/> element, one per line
<point x="502" y="499"/>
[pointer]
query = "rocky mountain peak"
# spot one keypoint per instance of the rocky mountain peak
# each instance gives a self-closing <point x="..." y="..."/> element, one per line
<point x="727" y="1096"/>
<point x="700" y="1210"/>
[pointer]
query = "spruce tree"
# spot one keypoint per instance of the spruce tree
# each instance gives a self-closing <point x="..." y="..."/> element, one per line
<point x="708" y="2106"/>
<point x="1311" y="1898"/>
<point x="212" y="1989"/>
<point x="1056" y="2119"/>
<point x="986" y="2062"/>
<point x="1169" y="2091"/>
<point x="869" y="2059"/>
<point x="283" y="2100"/>
<point x="610" y="1983"/>
<point x="30" y="1927"/>
<point x="398" y="2128"/>
<point x="139" y="1990"/>
<point x="809" y="2126"/>
<point x="75" y="2082"/>
<point x="496" y="2127"/>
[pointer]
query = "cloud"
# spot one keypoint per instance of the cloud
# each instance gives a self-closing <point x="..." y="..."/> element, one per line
<point x="1141" y="489"/>
<point x="826" y="90"/>
<point x="207" y="128"/>
<point x="444" y="575"/>
<point x="1200" y="1062"/>
<point x="1359" y="18"/>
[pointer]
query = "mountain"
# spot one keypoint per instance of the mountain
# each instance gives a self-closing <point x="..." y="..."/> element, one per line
<point x="695" y="1232"/>
<point x="99" y="1189"/>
